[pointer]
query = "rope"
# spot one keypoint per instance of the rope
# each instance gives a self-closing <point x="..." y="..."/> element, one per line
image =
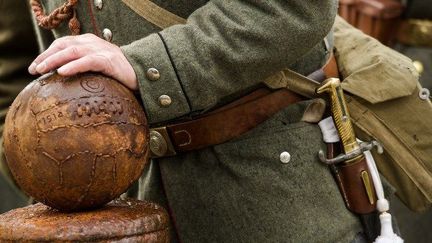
<point x="54" y="19"/>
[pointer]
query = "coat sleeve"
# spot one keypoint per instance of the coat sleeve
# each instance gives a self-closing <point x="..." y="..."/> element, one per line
<point x="224" y="48"/>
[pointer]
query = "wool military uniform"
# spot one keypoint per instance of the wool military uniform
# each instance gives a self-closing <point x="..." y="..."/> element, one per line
<point x="237" y="191"/>
<point x="17" y="49"/>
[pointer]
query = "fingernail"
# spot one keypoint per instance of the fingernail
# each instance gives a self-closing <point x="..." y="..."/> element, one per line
<point x="41" y="67"/>
<point x="62" y="71"/>
<point x="32" y="68"/>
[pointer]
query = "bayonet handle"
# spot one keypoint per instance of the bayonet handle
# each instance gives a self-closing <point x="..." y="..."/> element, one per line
<point x="341" y="117"/>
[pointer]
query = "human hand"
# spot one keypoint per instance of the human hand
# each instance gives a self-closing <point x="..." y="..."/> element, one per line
<point x="82" y="53"/>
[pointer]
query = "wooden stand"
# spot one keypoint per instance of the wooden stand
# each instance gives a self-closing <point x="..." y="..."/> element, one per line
<point x="127" y="220"/>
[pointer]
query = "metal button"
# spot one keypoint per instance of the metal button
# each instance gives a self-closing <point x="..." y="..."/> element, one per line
<point x="153" y="74"/>
<point x="107" y="34"/>
<point x="98" y="4"/>
<point x="285" y="157"/>
<point x="165" y="100"/>
<point x="424" y="94"/>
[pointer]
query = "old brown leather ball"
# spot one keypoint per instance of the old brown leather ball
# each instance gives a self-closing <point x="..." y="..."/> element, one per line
<point x="75" y="142"/>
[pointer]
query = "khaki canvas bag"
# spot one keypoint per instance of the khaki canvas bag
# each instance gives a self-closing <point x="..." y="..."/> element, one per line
<point x="388" y="104"/>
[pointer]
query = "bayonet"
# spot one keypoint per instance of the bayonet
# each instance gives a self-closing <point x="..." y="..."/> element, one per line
<point x="352" y="161"/>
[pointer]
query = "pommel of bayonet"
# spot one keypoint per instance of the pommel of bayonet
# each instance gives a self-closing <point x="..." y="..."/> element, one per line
<point x="341" y="117"/>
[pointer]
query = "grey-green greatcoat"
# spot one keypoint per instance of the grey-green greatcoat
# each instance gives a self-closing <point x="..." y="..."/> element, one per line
<point x="238" y="191"/>
<point x="17" y="49"/>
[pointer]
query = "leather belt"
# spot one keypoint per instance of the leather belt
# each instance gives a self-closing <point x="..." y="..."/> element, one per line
<point x="227" y="122"/>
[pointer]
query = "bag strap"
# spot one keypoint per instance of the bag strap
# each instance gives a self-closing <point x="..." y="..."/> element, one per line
<point x="154" y="14"/>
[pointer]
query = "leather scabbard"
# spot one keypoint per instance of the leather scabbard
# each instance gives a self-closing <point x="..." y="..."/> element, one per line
<point x="350" y="179"/>
<point x="354" y="193"/>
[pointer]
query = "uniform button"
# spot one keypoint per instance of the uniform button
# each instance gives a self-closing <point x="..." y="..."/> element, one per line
<point x="153" y="74"/>
<point x="165" y="100"/>
<point x="285" y="157"/>
<point x="107" y="34"/>
<point x="98" y="4"/>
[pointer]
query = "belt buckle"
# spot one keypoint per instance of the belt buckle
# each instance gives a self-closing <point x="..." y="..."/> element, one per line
<point x="160" y="143"/>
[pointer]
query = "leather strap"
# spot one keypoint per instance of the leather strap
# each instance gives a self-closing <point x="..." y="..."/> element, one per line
<point x="329" y="70"/>
<point x="221" y="125"/>
<point x="230" y="123"/>
<point x="154" y="14"/>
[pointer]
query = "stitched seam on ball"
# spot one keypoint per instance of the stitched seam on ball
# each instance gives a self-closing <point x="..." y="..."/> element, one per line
<point x="27" y="162"/>
<point x="93" y="171"/>
<point x="18" y="141"/>
<point x="87" y="191"/>
<point x="81" y="97"/>
<point x="100" y="155"/>
<point x="86" y="125"/>
<point x="122" y="149"/>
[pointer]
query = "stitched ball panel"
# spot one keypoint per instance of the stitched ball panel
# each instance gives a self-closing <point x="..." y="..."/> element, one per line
<point x="76" y="142"/>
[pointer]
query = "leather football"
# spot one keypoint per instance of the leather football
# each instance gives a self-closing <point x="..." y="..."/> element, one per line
<point x="76" y="142"/>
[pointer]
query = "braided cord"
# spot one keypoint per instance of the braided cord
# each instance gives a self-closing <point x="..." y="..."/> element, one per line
<point x="54" y="19"/>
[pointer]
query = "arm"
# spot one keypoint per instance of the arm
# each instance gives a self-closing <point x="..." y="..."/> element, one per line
<point x="224" y="48"/>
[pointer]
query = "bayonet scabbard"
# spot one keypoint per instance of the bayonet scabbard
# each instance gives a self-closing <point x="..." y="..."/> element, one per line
<point x="355" y="183"/>
<point x="352" y="174"/>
